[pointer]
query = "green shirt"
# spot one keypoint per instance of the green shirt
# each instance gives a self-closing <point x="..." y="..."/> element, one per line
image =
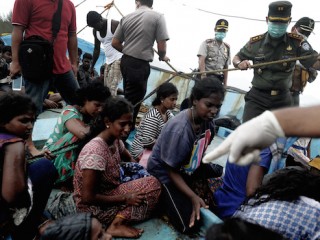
<point x="262" y="49"/>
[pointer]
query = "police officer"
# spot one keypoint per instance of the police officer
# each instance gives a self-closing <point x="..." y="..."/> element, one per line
<point x="214" y="54"/>
<point x="303" y="27"/>
<point x="271" y="83"/>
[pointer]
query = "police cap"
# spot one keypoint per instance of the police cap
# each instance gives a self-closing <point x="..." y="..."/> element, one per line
<point x="279" y="11"/>
<point x="306" y="25"/>
<point x="222" y="25"/>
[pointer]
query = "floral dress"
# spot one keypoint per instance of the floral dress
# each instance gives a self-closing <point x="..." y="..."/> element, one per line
<point x="96" y="155"/>
<point x="60" y="139"/>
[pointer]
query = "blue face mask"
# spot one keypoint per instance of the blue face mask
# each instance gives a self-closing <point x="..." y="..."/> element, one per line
<point x="220" y="36"/>
<point x="277" y="30"/>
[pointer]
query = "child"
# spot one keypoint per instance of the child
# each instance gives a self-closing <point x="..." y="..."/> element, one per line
<point x="25" y="188"/>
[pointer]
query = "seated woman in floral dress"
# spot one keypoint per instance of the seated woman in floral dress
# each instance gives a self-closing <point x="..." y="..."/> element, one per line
<point x="98" y="186"/>
<point x="72" y="125"/>
<point x="154" y="120"/>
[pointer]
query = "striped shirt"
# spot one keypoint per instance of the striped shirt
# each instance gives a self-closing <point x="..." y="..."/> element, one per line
<point x="148" y="131"/>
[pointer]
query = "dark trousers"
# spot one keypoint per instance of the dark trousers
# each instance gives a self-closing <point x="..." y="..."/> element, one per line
<point x="258" y="101"/>
<point x="296" y="98"/>
<point x="42" y="174"/>
<point x="178" y="206"/>
<point x="66" y="85"/>
<point x="135" y="73"/>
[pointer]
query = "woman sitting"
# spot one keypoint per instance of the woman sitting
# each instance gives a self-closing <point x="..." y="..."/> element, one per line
<point x="176" y="156"/>
<point x="289" y="204"/>
<point x="154" y="120"/>
<point x="24" y="187"/>
<point x="73" y="125"/>
<point x="98" y="185"/>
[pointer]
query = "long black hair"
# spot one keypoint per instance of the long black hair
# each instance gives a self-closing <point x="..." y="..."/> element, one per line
<point x="165" y="90"/>
<point x="113" y="109"/>
<point x="288" y="185"/>
<point x="205" y="87"/>
<point x="238" y="229"/>
<point x="94" y="91"/>
<point x="14" y="104"/>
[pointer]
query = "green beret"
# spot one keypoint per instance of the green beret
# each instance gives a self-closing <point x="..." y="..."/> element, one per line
<point x="279" y="11"/>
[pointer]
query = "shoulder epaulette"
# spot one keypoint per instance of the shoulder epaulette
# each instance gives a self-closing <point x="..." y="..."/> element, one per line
<point x="256" y="38"/>
<point x="227" y="45"/>
<point x="295" y="36"/>
<point x="209" y="40"/>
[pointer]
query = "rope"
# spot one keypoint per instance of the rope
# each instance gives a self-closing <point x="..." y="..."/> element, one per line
<point x="57" y="151"/>
<point x="107" y="7"/>
<point x="154" y="91"/>
<point x="80" y="3"/>
<point x="255" y="65"/>
<point x="175" y="71"/>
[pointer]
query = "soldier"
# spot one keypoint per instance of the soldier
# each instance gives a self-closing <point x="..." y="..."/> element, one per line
<point x="303" y="27"/>
<point x="214" y="54"/>
<point x="271" y="83"/>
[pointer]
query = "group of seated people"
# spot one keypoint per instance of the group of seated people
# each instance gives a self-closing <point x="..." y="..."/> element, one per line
<point x="114" y="187"/>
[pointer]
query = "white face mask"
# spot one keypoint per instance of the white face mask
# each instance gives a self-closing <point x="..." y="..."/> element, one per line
<point x="300" y="34"/>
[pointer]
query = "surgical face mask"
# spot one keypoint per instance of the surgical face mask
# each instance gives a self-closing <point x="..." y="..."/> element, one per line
<point x="220" y="35"/>
<point x="277" y="30"/>
<point x="300" y="34"/>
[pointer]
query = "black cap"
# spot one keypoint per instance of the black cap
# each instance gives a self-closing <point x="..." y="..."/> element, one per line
<point x="306" y="25"/>
<point x="279" y="11"/>
<point x="221" y="24"/>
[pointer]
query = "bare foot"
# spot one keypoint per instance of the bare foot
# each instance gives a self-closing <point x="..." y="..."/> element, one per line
<point x="124" y="231"/>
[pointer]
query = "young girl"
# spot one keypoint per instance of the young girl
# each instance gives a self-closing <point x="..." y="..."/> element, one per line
<point x="176" y="156"/>
<point x="98" y="186"/>
<point x="24" y="187"/>
<point x="154" y="120"/>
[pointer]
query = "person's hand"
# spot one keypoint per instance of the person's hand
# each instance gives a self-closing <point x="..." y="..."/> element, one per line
<point x="245" y="143"/>
<point x="197" y="203"/>
<point x="244" y="65"/>
<point x="74" y="68"/>
<point x="15" y="69"/>
<point x="165" y="59"/>
<point x="47" y="154"/>
<point x="135" y="198"/>
<point x="50" y="104"/>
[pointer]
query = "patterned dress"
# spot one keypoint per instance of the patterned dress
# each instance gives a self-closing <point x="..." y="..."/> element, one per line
<point x="96" y="155"/>
<point x="61" y="137"/>
<point x="299" y="219"/>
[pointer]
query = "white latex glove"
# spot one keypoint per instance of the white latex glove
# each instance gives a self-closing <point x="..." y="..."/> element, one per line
<point x="245" y="143"/>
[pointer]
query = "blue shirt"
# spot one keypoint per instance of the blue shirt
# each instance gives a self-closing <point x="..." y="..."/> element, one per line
<point x="174" y="146"/>
<point x="233" y="191"/>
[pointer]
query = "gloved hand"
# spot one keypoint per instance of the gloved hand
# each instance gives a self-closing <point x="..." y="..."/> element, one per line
<point x="248" y="139"/>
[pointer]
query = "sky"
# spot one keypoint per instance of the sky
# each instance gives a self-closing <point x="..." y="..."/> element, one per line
<point x="190" y="22"/>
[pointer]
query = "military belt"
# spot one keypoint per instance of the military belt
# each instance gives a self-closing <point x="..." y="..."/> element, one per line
<point x="271" y="92"/>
